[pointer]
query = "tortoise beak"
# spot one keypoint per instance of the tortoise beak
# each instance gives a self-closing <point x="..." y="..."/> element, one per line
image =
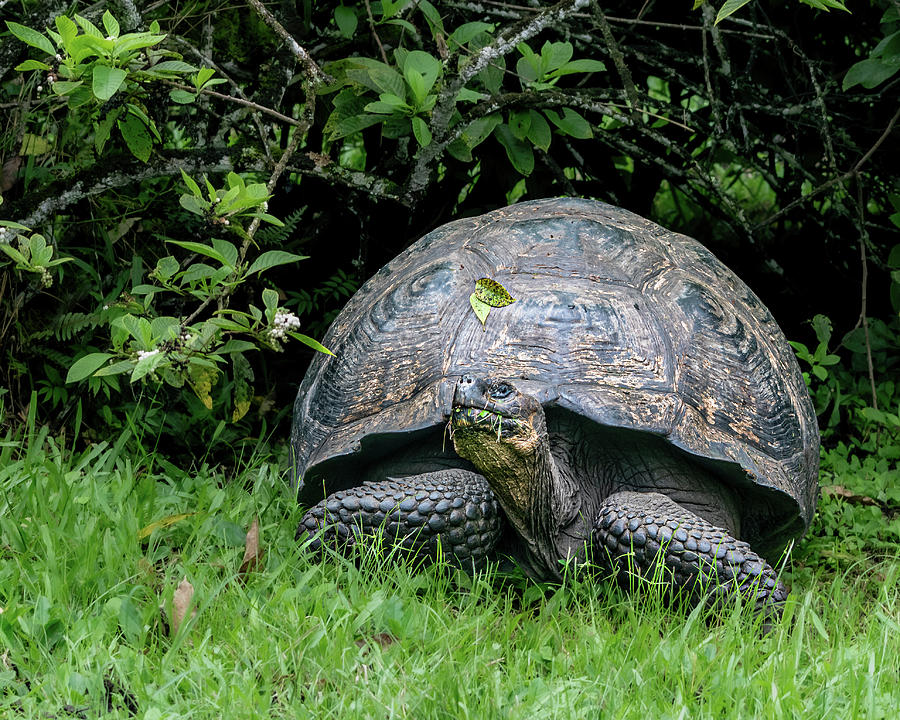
<point x="470" y="392"/>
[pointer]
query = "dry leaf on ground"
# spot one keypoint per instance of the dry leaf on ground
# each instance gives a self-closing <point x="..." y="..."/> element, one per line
<point x="253" y="553"/>
<point x="181" y="601"/>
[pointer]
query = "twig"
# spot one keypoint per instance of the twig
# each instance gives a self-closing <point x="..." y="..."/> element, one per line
<point x="617" y="57"/>
<point x="65" y="193"/>
<point x="835" y="180"/>
<point x="863" y="316"/>
<point x="324" y="167"/>
<point x="221" y="298"/>
<point x="505" y="42"/>
<point x="238" y="100"/>
<point x="312" y="69"/>
<point x="205" y="57"/>
<point x="711" y="94"/>
<point x="384" y="56"/>
<point x="516" y="10"/>
<point x="289" y="151"/>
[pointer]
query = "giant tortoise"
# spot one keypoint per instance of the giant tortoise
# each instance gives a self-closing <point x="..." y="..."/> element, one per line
<point x="637" y="406"/>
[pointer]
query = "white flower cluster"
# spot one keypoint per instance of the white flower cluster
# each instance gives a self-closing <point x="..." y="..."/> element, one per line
<point x="3" y="240"/>
<point x="284" y="321"/>
<point x="141" y="354"/>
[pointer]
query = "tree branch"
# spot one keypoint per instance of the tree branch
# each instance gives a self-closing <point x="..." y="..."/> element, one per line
<point x="64" y="193"/>
<point x="505" y="42"/>
<point x="324" y="167"/>
<point x="835" y="180"/>
<point x="617" y="57"/>
<point x="312" y="69"/>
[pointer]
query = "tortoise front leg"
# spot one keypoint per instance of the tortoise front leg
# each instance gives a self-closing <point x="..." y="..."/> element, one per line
<point x="635" y="531"/>
<point x="452" y="509"/>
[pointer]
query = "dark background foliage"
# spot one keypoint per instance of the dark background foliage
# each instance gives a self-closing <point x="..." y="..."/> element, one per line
<point x="739" y="134"/>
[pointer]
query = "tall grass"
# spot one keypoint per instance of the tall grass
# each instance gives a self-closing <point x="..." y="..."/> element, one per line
<point x="93" y="543"/>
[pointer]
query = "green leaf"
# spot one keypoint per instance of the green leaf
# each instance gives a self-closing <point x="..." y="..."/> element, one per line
<point x="19" y="226"/>
<point x="130" y="620"/>
<point x="571" y="123"/>
<point x="729" y="8"/>
<point x="346" y="20"/>
<point x="492" y="293"/>
<point x="32" y="65"/>
<point x="519" y="153"/>
<point x="273" y="258"/>
<point x="192" y="184"/>
<point x="431" y="15"/>
<point x="539" y="131"/>
<point x="111" y="25"/>
<point x="15" y="255"/>
<point x="227" y="250"/>
<point x="426" y="65"/>
<point x="578" y="66"/>
<point x="106" y="82"/>
<point x="203" y="77"/>
<point x="166" y="267"/>
<point x="479" y="129"/>
<point x="197" y="206"/>
<point x="31" y="37"/>
<point x="200" y="248"/>
<point x="117" y="368"/>
<point x="173" y="66"/>
<point x="147" y="365"/>
<point x="236" y="346"/>
<point x="88" y="27"/>
<point x="466" y="32"/>
<point x="136" y="137"/>
<point x="64" y="87"/>
<point x="555" y="55"/>
<point x="86" y="366"/>
<point x="869" y="73"/>
<point x="309" y="342"/>
<point x="482" y="310"/>
<point x="67" y="30"/>
<point x="519" y="123"/>
<point x="822" y="327"/>
<point x="141" y="115"/>
<point x="103" y="128"/>
<point x="387" y="80"/>
<point x="421" y="131"/>
<point x="352" y="125"/>
<point x="270" y="299"/>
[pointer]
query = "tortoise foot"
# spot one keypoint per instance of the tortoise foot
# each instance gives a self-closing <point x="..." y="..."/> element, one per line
<point x="652" y="536"/>
<point x="448" y="511"/>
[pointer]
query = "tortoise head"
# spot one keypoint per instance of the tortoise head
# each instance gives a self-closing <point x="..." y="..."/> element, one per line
<point x="503" y="432"/>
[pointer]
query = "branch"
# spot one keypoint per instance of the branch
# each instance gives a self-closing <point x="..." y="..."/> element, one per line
<point x="384" y="56"/>
<point x="863" y="316"/>
<point x="238" y="100"/>
<point x="835" y="180"/>
<point x="60" y="195"/>
<point x="617" y="57"/>
<point x="446" y="103"/>
<point x="312" y="69"/>
<point x="321" y="166"/>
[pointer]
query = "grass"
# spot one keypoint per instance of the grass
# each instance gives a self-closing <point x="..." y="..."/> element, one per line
<point x="82" y="635"/>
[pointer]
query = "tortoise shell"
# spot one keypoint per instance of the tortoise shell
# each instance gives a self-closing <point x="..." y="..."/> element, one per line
<point x="616" y="319"/>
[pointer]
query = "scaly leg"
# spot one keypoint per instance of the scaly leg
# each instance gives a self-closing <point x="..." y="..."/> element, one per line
<point x="452" y="508"/>
<point x="705" y="562"/>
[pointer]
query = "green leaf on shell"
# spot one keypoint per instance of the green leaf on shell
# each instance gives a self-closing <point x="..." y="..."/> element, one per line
<point x="492" y="293"/>
<point x="481" y="309"/>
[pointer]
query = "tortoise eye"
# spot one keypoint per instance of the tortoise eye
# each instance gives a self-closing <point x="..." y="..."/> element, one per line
<point x="500" y="391"/>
